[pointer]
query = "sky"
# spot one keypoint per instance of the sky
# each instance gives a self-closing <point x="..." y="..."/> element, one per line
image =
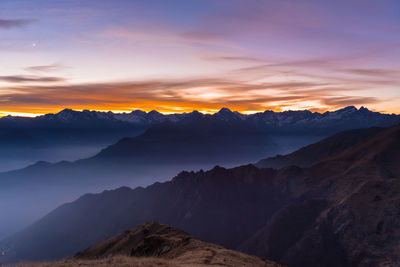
<point x="181" y="55"/>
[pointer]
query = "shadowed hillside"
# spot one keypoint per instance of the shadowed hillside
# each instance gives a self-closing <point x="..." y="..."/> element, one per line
<point x="338" y="212"/>
<point x="154" y="148"/>
<point x="319" y="151"/>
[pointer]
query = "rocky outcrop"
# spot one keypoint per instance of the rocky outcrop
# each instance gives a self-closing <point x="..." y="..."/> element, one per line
<point x="163" y="241"/>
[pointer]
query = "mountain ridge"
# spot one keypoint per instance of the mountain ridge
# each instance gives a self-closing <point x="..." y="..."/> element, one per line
<point x="142" y="117"/>
<point x="328" y="147"/>
<point x="159" y="240"/>
<point x="154" y="244"/>
<point x="155" y="155"/>
<point x="344" y="208"/>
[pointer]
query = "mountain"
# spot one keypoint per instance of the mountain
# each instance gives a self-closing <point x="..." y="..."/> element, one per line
<point x="162" y="151"/>
<point x="346" y="118"/>
<point x="154" y="244"/>
<point x="166" y="242"/>
<point x="67" y="135"/>
<point x="136" y="133"/>
<point x="148" y="147"/>
<point x="360" y="226"/>
<point x="194" y="139"/>
<point x="71" y="135"/>
<point x="321" y="150"/>
<point x="349" y="117"/>
<point x="341" y="211"/>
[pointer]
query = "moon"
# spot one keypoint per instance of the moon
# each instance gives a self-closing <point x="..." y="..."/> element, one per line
<point x="34" y="44"/>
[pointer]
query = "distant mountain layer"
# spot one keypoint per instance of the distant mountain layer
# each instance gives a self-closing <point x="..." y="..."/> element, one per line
<point x="320" y="151"/>
<point x="346" y="118"/>
<point x="341" y="211"/>
<point x="71" y="135"/>
<point x="156" y="155"/>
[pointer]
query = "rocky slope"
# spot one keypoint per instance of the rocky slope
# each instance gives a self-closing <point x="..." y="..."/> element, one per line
<point x="321" y="150"/>
<point x="163" y="241"/>
<point x="154" y="244"/>
<point x="341" y="211"/>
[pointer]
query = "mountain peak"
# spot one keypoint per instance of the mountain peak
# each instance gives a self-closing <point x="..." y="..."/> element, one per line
<point x="138" y="112"/>
<point x="226" y="114"/>
<point x="195" y="112"/>
<point x="66" y="111"/>
<point x="154" y="112"/>
<point x="364" y="109"/>
<point x="224" y="111"/>
<point x="66" y="114"/>
<point x="348" y="109"/>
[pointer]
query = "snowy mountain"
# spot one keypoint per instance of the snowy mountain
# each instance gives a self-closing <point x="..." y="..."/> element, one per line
<point x="71" y="135"/>
<point x="344" y="118"/>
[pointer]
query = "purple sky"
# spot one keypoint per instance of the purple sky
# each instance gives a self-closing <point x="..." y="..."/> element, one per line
<point x="182" y="55"/>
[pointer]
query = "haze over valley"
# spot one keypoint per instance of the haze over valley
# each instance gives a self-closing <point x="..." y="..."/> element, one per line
<point x="164" y="145"/>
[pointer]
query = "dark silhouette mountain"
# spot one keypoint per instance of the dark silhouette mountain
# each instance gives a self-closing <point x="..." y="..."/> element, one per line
<point x="176" y="142"/>
<point x="195" y="139"/>
<point x="321" y="150"/>
<point x="67" y="135"/>
<point x="162" y="151"/>
<point x="68" y="118"/>
<point x="342" y="211"/>
<point x="162" y="146"/>
<point x="70" y="135"/>
<point x="359" y="227"/>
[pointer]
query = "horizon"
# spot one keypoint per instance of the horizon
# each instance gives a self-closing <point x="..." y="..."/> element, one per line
<point x="181" y="56"/>
<point x="212" y="112"/>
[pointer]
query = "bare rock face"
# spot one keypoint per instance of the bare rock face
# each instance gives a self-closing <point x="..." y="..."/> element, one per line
<point x="151" y="239"/>
<point x="163" y="241"/>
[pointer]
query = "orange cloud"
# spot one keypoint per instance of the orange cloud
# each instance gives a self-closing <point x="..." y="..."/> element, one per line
<point x="181" y="95"/>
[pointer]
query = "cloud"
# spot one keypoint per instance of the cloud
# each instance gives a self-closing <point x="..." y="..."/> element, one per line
<point x="323" y="62"/>
<point x="234" y="59"/>
<point x="201" y="35"/>
<point x="390" y="73"/>
<point x="29" y="79"/>
<point x="183" y="94"/>
<point x="330" y="70"/>
<point x="45" y="68"/>
<point x="341" y="101"/>
<point x="14" y="23"/>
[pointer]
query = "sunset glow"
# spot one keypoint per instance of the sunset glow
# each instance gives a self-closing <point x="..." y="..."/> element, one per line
<point x="185" y="55"/>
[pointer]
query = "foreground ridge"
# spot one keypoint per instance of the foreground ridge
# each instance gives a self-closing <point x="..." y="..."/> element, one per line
<point x="155" y="244"/>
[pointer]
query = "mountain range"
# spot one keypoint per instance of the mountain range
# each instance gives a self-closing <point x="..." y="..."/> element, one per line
<point x="79" y="130"/>
<point x="322" y="150"/>
<point x="72" y="135"/>
<point x="281" y="121"/>
<point x="139" y="148"/>
<point x="339" y="207"/>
